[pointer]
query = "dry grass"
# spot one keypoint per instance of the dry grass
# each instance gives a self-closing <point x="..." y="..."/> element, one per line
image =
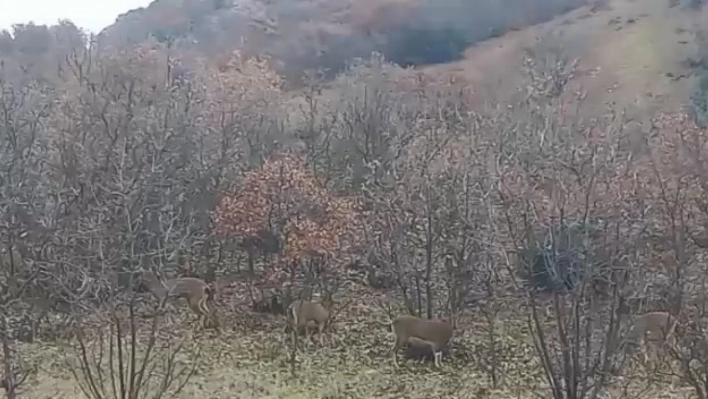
<point x="630" y="54"/>
<point x="249" y="360"/>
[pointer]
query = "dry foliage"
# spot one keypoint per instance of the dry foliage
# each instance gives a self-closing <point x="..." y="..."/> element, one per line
<point x="284" y="196"/>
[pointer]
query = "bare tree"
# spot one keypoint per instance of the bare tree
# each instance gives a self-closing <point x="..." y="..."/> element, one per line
<point x="571" y="235"/>
<point x="120" y="359"/>
<point x="23" y="110"/>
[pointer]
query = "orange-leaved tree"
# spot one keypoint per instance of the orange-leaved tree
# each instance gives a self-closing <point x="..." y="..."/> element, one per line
<point x="313" y="225"/>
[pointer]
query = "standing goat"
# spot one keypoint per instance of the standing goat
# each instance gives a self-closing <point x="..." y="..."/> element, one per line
<point x="655" y="327"/>
<point x="435" y="333"/>
<point x="194" y="290"/>
<point x="301" y="312"/>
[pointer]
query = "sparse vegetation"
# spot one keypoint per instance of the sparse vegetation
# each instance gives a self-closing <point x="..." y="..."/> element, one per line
<point x="418" y="46"/>
<point x="303" y="35"/>
<point x="118" y="359"/>
<point x="699" y="97"/>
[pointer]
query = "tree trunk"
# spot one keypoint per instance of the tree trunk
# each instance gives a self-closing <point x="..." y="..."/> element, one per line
<point x="8" y="382"/>
<point x="429" y="258"/>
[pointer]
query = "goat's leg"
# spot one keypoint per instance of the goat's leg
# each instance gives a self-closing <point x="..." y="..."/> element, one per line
<point x="286" y="332"/>
<point x="195" y="325"/>
<point x="320" y="331"/>
<point x="201" y="320"/>
<point x="642" y="346"/>
<point x="437" y="357"/>
<point x="308" y="335"/>
<point x="194" y="305"/>
<point x="394" y="350"/>
<point x="205" y="310"/>
<point x="644" y="358"/>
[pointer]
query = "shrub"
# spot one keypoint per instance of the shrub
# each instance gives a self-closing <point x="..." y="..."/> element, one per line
<point x="564" y="258"/>
<point x="419" y="46"/>
<point x="699" y="100"/>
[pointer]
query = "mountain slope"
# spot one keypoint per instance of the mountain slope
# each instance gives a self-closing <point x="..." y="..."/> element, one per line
<point x="311" y="34"/>
<point x="632" y="54"/>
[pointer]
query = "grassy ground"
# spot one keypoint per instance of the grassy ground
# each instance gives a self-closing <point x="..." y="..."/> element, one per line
<point x="249" y="360"/>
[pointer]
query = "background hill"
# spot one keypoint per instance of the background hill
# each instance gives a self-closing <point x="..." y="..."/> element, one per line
<point x="634" y="54"/>
<point x="306" y="34"/>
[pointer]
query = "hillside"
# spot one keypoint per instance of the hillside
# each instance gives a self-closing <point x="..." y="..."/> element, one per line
<point x="631" y="53"/>
<point x="310" y="34"/>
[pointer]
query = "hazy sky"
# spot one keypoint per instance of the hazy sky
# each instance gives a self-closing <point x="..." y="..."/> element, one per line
<point x="93" y="15"/>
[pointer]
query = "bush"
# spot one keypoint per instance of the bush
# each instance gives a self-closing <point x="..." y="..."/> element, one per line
<point x="699" y="100"/>
<point x="695" y="4"/>
<point x="565" y="258"/>
<point x="420" y="46"/>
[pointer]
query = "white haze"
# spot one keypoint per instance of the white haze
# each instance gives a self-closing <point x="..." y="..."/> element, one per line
<point x="92" y="15"/>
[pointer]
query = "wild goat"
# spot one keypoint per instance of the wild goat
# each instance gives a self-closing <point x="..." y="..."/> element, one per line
<point x="655" y="327"/>
<point x="435" y="333"/>
<point x="194" y="290"/>
<point x="301" y="312"/>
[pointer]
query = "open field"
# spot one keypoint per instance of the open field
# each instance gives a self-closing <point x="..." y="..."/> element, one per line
<point x="249" y="360"/>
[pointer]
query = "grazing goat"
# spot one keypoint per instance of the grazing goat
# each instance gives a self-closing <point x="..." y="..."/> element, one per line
<point x="435" y="333"/>
<point x="301" y="312"/>
<point x="194" y="290"/>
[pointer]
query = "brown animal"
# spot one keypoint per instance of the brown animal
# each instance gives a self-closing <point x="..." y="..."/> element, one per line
<point x="194" y="290"/>
<point x="40" y="310"/>
<point x="435" y="333"/>
<point x="654" y="327"/>
<point x="301" y="313"/>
